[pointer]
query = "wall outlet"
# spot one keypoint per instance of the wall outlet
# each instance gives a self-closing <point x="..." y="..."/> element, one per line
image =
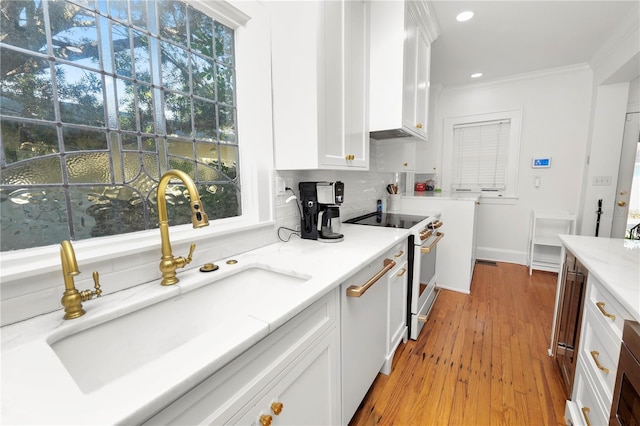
<point x="601" y="181"/>
<point x="280" y="186"/>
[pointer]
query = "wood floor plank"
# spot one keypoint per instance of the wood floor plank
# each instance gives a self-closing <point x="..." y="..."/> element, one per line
<point x="480" y="360"/>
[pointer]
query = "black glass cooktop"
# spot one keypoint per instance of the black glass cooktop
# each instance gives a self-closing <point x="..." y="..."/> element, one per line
<point x="390" y="220"/>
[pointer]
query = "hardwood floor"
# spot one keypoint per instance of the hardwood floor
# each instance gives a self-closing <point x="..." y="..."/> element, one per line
<point x="482" y="359"/>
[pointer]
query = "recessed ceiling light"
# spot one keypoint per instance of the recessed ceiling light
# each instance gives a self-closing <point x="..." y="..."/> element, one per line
<point x="476" y="75"/>
<point x="464" y="16"/>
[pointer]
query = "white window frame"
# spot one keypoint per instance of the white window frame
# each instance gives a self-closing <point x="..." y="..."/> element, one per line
<point x="511" y="182"/>
<point x="249" y="20"/>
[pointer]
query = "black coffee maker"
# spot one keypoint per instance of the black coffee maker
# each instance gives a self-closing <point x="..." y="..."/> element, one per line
<point x="321" y="211"/>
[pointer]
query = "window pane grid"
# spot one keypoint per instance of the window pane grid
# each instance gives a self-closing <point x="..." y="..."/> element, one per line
<point x="123" y="83"/>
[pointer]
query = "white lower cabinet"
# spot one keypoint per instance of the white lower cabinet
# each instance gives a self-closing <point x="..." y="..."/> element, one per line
<point x="599" y="350"/>
<point x="294" y="371"/>
<point x="397" y="305"/>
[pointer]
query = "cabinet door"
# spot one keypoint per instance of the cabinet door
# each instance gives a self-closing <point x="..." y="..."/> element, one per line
<point x="410" y="71"/>
<point x="346" y="134"/>
<point x="422" y="84"/>
<point x="395" y="156"/>
<point x="306" y="390"/>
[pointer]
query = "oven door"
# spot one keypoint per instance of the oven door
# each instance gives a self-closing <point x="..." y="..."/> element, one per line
<point x="423" y="287"/>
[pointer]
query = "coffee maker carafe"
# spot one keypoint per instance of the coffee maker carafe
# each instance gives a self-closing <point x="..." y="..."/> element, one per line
<point x="321" y="211"/>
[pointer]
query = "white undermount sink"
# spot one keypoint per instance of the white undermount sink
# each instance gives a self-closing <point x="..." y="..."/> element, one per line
<point x="98" y="355"/>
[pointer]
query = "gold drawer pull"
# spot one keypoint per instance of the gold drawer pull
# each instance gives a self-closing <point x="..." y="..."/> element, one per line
<point x="399" y="254"/>
<point x="357" y="291"/>
<point x="401" y="272"/>
<point x="595" y="355"/>
<point x="585" y="414"/>
<point x="419" y="125"/>
<point x="277" y="407"/>
<point x="600" y="306"/>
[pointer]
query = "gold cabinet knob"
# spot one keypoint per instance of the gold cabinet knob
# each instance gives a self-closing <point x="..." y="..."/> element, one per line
<point x="265" y="420"/>
<point x="350" y="157"/>
<point x="622" y="203"/>
<point x="406" y="164"/>
<point x="277" y="407"/>
<point x="419" y="125"/>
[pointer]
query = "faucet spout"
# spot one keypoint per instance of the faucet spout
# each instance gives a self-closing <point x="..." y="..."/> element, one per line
<point x="199" y="219"/>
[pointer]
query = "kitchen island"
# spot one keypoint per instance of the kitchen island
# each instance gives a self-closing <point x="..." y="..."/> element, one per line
<point x="598" y="292"/>
<point x="33" y="374"/>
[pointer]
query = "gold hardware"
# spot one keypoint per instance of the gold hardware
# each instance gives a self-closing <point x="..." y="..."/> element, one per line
<point x="209" y="267"/>
<point x="425" y="250"/>
<point x="357" y="291"/>
<point x="622" y="203"/>
<point x="585" y="414"/>
<point x="406" y="164"/>
<point x="71" y="298"/>
<point x="595" y="355"/>
<point x="399" y="254"/>
<point x="277" y="407"/>
<point x="168" y="263"/>
<point x="419" y="125"/>
<point x="623" y="192"/>
<point x="350" y="157"/>
<point x="425" y="234"/>
<point x="477" y="203"/>
<point x="600" y="306"/>
<point x="422" y="318"/>
<point x="265" y="419"/>
<point x="231" y="262"/>
<point x="436" y="224"/>
<point x="401" y="272"/>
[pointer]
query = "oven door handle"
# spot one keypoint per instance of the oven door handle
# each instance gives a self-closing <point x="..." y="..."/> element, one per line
<point x="357" y="291"/>
<point x="425" y="250"/>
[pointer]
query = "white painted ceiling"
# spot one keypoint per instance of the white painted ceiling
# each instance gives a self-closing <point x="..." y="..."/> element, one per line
<point x="505" y="38"/>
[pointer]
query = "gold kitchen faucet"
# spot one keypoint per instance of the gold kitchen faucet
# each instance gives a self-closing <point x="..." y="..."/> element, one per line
<point x="72" y="298"/>
<point x="168" y="263"/>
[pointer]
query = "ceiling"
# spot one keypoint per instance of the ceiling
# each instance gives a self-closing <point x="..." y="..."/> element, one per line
<point x="514" y="37"/>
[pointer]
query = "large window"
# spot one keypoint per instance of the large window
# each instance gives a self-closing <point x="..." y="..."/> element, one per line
<point x="98" y="99"/>
<point x="482" y="151"/>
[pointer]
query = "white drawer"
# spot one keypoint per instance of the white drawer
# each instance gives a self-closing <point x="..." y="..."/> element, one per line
<point x="587" y="401"/>
<point x="398" y="253"/>
<point x="610" y="313"/>
<point x="600" y="351"/>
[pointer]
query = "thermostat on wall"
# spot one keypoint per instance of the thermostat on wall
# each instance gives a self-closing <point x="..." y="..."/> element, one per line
<point x="540" y="163"/>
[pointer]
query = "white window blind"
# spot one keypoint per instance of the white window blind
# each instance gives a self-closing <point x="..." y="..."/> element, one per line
<point x="481" y="156"/>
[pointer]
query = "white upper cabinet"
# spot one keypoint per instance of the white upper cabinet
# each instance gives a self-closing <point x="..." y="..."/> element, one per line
<point x="320" y="68"/>
<point x="401" y="37"/>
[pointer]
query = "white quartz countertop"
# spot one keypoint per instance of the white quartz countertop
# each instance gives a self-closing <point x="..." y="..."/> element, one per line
<point x="614" y="262"/>
<point x="37" y="388"/>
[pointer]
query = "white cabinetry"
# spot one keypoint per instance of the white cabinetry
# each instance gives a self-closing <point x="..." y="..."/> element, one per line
<point x="401" y="37"/>
<point x="397" y="304"/>
<point x="296" y="366"/>
<point x="545" y="252"/>
<point x="395" y="156"/>
<point x="363" y="326"/>
<point x="600" y="338"/>
<point x="320" y="63"/>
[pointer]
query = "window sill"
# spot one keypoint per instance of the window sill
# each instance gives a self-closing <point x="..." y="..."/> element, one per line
<point x="21" y="264"/>
<point x="500" y="200"/>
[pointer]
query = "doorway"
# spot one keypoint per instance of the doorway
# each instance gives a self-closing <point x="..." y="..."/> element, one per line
<point x="626" y="213"/>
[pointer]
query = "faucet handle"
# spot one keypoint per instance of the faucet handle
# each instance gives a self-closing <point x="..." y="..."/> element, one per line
<point x="88" y="294"/>
<point x="187" y="260"/>
<point x="96" y="281"/>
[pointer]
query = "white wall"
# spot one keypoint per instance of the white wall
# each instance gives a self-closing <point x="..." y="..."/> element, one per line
<point x="556" y="110"/>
